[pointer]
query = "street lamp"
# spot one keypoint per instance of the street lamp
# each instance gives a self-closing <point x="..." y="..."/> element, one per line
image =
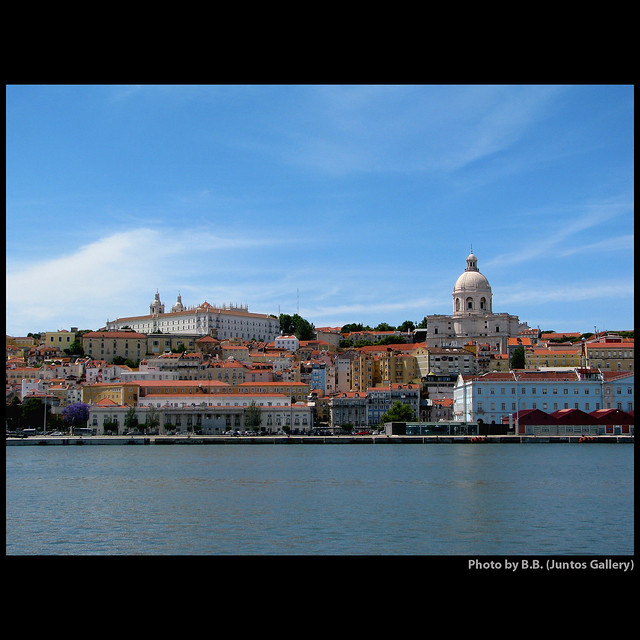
<point x="44" y="428"/>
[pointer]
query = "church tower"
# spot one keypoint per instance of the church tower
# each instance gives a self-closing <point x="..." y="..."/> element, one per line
<point x="178" y="306"/>
<point x="156" y="307"/>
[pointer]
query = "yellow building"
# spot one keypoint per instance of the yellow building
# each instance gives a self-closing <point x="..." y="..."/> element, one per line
<point x="299" y="391"/>
<point x="610" y="354"/>
<point x="499" y="362"/>
<point x="541" y="357"/>
<point x="393" y="367"/>
<point x="106" y="345"/>
<point x="60" y="339"/>
<point x="123" y="393"/>
<point x="16" y="375"/>
<point x="362" y="372"/>
<point x="22" y="342"/>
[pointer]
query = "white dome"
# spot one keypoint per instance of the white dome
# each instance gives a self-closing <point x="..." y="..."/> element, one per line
<point x="471" y="292"/>
<point x="471" y="280"/>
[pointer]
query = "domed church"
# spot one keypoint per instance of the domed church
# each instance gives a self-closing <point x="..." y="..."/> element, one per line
<point x="473" y="319"/>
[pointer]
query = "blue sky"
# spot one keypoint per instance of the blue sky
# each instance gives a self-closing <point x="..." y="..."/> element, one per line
<point x="345" y="203"/>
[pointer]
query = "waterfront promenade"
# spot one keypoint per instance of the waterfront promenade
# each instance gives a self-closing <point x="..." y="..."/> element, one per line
<point x="284" y="440"/>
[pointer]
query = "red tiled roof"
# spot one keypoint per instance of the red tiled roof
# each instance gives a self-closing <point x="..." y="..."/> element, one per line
<point x="574" y="416"/>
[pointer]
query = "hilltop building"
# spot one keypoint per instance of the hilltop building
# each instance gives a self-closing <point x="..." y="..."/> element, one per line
<point x="473" y="319"/>
<point x="223" y="323"/>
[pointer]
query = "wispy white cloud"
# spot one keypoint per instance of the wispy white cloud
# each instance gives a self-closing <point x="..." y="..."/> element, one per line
<point x="109" y="275"/>
<point x="347" y="129"/>
<point x="617" y="243"/>
<point x="564" y="294"/>
<point x="548" y="242"/>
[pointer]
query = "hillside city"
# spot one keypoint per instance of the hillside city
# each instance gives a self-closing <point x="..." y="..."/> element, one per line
<point x="220" y="369"/>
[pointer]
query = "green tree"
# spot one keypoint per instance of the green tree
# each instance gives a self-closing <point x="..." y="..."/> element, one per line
<point x="406" y="326"/>
<point x="153" y="419"/>
<point x="75" y="349"/>
<point x="111" y="426"/>
<point x="392" y="340"/>
<point x="398" y="412"/>
<point x="354" y="326"/>
<point x="518" y="358"/>
<point x="131" y="419"/>
<point x="33" y="413"/>
<point x="13" y="414"/>
<point x="252" y="417"/>
<point x="296" y="325"/>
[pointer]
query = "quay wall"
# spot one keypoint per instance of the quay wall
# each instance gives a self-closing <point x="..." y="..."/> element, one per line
<point x="285" y="440"/>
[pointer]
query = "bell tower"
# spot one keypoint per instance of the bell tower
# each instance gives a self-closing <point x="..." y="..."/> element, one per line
<point x="156" y="307"/>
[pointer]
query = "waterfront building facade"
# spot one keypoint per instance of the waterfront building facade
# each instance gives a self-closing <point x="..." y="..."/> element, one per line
<point x="492" y="397"/>
<point x="211" y="415"/>
<point x="381" y="399"/>
<point x="349" y="408"/>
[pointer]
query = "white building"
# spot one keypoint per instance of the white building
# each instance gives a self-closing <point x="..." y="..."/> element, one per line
<point x="473" y="319"/>
<point x="493" y="396"/>
<point x="210" y="414"/>
<point x="223" y="323"/>
<point x="290" y="343"/>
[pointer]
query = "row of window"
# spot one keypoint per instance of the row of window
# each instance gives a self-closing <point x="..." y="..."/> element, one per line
<point x="534" y="405"/>
<point x="554" y="390"/>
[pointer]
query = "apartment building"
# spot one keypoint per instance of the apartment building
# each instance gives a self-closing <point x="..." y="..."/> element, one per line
<point x="349" y="408"/>
<point x="123" y="393"/>
<point x="444" y="360"/>
<point x="62" y="339"/>
<point x="106" y="345"/>
<point x="537" y="357"/>
<point x="611" y="353"/>
<point x="381" y="399"/>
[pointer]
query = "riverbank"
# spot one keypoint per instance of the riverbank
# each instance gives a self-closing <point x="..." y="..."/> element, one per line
<point x="344" y="439"/>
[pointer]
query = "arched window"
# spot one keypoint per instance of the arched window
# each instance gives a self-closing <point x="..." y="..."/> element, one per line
<point x="469" y="303"/>
<point x="457" y="304"/>
<point x="483" y="303"/>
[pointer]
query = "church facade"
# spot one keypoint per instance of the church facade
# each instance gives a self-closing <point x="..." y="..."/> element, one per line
<point x="223" y="323"/>
<point x="473" y="319"/>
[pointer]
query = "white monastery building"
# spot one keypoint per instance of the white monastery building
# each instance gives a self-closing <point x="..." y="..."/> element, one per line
<point x="223" y="323"/>
<point x="473" y="319"/>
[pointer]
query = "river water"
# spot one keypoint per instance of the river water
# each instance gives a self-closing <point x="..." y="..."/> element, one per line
<point x="398" y="499"/>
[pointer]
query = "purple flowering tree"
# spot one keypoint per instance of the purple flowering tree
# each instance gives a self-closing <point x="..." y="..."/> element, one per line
<point x="76" y="415"/>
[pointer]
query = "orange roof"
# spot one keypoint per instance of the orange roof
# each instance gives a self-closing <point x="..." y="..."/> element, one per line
<point x="106" y="402"/>
<point x="445" y="402"/>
